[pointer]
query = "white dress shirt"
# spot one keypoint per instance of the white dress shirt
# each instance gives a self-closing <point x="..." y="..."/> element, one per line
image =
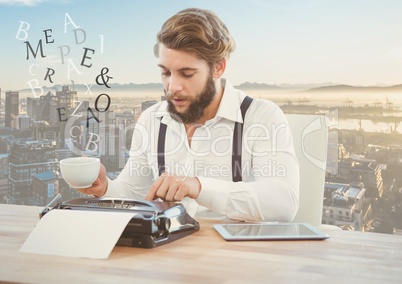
<point x="269" y="190"/>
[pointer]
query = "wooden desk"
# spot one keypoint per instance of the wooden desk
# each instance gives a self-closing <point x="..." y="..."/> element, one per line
<point x="204" y="257"/>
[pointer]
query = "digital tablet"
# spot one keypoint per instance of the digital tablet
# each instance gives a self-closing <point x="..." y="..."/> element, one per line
<point x="269" y="231"/>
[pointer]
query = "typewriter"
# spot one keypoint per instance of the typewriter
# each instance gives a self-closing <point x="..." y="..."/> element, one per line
<point x="155" y="222"/>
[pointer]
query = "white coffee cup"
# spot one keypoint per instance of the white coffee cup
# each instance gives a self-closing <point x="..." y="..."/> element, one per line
<point x="80" y="172"/>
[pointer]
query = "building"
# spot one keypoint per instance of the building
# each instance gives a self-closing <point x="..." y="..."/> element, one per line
<point x="63" y="154"/>
<point x="47" y="111"/>
<point x="44" y="187"/>
<point x="22" y="122"/>
<point x="125" y="124"/>
<point x="344" y="205"/>
<point x="101" y="138"/>
<point x="366" y="171"/>
<point x="49" y="114"/>
<point x="67" y="98"/>
<point x="28" y="158"/>
<point x="5" y="143"/>
<point x="3" y="177"/>
<point x="67" y="101"/>
<point x="353" y="138"/>
<point x="33" y="106"/>
<point x="11" y="109"/>
<point x="1" y="108"/>
<point x="42" y="130"/>
<point x="370" y="173"/>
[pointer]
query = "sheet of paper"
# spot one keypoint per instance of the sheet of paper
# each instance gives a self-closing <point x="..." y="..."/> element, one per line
<point x="74" y="233"/>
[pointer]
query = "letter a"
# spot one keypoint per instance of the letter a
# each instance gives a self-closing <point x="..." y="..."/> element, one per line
<point x="71" y="67"/>
<point x="70" y="22"/>
<point x="89" y="110"/>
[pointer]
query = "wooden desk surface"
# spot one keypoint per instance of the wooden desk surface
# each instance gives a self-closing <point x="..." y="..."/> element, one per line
<point x="204" y="257"/>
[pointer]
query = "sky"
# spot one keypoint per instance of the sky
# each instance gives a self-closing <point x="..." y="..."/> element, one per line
<point x="350" y="42"/>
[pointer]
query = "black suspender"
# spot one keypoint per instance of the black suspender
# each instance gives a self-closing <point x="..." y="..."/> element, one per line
<point x="237" y="142"/>
<point x="161" y="147"/>
<point x="236" y="150"/>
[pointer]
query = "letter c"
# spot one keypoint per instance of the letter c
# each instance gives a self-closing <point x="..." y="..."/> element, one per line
<point x="30" y="69"/>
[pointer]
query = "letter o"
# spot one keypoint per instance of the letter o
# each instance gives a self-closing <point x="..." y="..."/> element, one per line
<point x="108" y="102"/>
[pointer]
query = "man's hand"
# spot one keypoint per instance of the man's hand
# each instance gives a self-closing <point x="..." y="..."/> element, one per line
<point x="170" y="187"/>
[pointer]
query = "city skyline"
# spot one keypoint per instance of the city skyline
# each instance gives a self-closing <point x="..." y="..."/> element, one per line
<point x="294" y="42"/>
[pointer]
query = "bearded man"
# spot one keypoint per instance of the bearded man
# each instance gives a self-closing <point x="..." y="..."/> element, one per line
<point x="202" y="146"/>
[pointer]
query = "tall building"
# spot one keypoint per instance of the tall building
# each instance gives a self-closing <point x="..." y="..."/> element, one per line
<point x="101" y="138"/>
<point x="11" y="108"/>
<point x="67" y="98"/>
<point x="3" y="177"/>
<point x="125" y="124"/>
<point x="33" y="106"/>
<point x="1" y="108"/>
<point x="67" y="102"/>
<point x="48" y="109"/>
<point x="28" y="158"/>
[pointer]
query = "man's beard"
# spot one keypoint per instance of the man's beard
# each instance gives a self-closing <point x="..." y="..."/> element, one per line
<point x="197" y="105"/>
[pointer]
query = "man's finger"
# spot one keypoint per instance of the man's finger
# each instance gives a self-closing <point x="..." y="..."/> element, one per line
<point x="173" y="188"/>
<point x="154" y="188"/>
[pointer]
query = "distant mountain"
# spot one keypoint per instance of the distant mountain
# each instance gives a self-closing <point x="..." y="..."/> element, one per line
<point x="349" y="88"/>
<point x="82" y="88"/>
<point x="305" y="86"/>
<point x="397" y="88"/>
<point x="283" y="86"/>
<point x="256" y="86"/>
<point x="130" y="86"/>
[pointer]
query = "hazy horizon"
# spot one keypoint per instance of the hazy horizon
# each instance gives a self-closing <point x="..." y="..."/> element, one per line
<point x="327" y="99"/>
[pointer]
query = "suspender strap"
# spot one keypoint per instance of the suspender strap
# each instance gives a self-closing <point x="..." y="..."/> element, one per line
<point x="161" y="147"/>
<point x="236" y="150"/>
<point x="237" y="142"/>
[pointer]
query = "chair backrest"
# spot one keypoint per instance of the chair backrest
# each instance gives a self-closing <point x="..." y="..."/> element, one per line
<point x="310" y="135"/>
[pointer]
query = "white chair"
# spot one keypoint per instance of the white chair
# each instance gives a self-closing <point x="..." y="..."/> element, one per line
<point x="310" y="136"/>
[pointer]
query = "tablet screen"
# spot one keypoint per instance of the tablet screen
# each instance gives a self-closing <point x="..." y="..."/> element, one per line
<point x="269" y="231"/>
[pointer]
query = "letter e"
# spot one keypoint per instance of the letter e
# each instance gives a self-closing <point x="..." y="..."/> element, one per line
<point x="85" y="56"/>
<point x="48" y="36"/>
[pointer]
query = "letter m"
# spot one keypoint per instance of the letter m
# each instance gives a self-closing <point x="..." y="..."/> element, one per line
<point x="34" y="53"/>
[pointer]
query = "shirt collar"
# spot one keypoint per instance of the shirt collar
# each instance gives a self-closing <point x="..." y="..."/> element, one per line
<point x="229" y="107"/>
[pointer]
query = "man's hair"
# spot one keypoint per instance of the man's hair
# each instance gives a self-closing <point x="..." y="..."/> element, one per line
<point x="198" y="31"/>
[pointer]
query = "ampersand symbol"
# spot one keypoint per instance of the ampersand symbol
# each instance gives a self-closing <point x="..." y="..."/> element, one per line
<point x="102" y="76"/>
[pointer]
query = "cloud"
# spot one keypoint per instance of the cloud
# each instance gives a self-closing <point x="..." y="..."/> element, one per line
<point x="31" y="3"/>
<point x="21" y="2"/>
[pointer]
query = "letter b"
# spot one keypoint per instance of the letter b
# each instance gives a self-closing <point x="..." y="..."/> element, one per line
<point x="22" y="30"/>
